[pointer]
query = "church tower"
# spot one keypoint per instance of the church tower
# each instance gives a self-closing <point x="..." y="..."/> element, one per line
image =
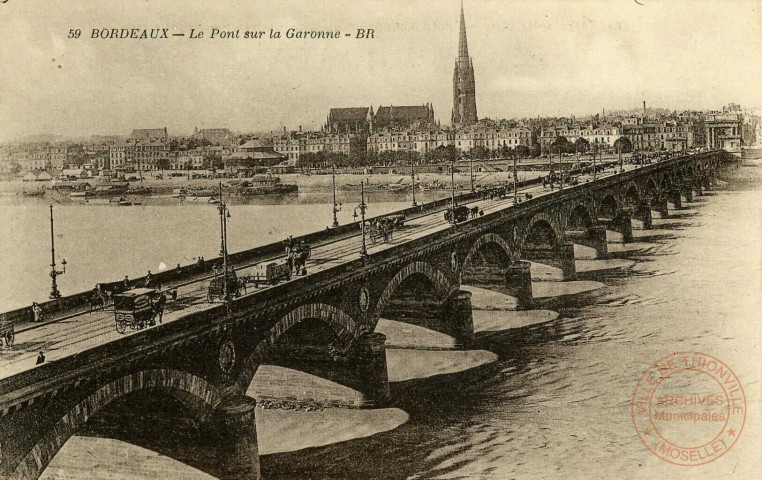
<point x="463" y="83"/>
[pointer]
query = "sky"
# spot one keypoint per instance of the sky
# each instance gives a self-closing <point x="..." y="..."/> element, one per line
<point x="531" y="57"/>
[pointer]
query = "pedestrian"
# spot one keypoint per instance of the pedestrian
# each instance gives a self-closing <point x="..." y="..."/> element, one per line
<point x="37" y="312"/>
<point x="126" y="282"/>
<point x="149" y="279"/>
<point x="40" y="358"/>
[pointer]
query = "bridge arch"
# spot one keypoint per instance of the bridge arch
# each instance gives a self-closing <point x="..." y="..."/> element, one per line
<point x="650" y="191"/>
<point x="609" y="207"/>
<point x="202" y="396"/>
<point x="442" y="286"/>
<point x="487" y="239"/>
<point x="580" y="218"/>
<point x="632" y="195"/>
<point x="344" y="328"/>
<point x="542" y="232"/>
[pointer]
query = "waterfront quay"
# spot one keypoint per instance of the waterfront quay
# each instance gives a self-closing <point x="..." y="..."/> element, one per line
<point x="205" y="354"/>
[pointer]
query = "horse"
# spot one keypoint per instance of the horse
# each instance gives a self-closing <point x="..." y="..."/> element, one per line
<point x="474" y="211"/>
<point x="300" y="260"/>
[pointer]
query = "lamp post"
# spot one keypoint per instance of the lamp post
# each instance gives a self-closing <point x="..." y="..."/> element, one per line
<point x="412" y="176"/>
<point x="54" y="293"/>
<point x="560" y="170"/>
<point x="224" y="215"/>
<point x="595" y="170"/>
<point x="471" y="168"/>
<point x="335" y="208"/>
<point x="452" y="182"/>
<point x="515" y="180"/>
<point x="362" y="206"/>
<point x="621" y="161"/>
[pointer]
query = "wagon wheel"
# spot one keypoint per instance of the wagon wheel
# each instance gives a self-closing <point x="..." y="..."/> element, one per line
<point x="121" y="327"/>
<point x="10" y="336"/>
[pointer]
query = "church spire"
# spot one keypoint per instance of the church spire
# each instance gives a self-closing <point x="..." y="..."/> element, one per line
<point x="463" y="83"/>
<point x="463" y="43"/>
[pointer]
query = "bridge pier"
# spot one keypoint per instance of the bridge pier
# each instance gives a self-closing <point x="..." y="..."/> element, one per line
<point x="237" y="447"/>
<point x="660" y="205"/>
<point x="622" y="223"/>
<point x="688" y="193"/>
<point x="674" y="197"/>
<point x="518" y="280"/>
<point x="562" y="257"/>
<point x="458" y="318"/>
<point x="643" y="213"/>
<point x="593" y="237"/>
<point x="363" y="368"/>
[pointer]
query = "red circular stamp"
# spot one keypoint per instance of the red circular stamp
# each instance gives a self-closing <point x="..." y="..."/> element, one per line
<point x="688" y="408"/>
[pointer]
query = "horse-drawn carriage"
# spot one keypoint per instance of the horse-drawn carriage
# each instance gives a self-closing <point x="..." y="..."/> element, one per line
<point x="457" y="215"/>
<point x="222" y="285"/>
<point x="138" y="308"/>
<point x="382" y="228"/>
<point x="7" y="333"/>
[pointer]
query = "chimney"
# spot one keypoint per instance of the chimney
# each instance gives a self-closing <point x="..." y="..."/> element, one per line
<point x="644" y="108"/>
<point x="300" y="129"/>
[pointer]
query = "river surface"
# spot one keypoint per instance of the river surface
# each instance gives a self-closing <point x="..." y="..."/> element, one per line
<point x="555" y="403"/>
<point x="103" y="243"/>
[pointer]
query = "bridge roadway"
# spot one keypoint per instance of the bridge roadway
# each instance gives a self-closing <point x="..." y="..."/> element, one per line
<point x="79" y="332"/>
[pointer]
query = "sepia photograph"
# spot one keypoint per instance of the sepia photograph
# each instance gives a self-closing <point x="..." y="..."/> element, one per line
<point x="380" y="239"/>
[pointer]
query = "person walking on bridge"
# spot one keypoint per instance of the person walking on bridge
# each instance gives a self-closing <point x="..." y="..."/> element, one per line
<point x="40" y="359"/>
<point x="37" y="312"/>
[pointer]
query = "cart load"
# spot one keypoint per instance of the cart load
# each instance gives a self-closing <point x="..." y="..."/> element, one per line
<point x="138" y="308"/>
<point x="274" y="274"/>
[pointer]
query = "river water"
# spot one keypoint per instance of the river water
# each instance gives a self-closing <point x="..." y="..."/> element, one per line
<point x="102" y="242"/>
<point x="556" y="401"/>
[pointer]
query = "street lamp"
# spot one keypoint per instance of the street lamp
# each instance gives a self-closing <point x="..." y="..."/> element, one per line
<point x="452" y="183"/>
<point x="412" y="175"/>
<point x="560" y="170"/>
<point x="362" y="206"/>
<point x="515" y="180"/>
<point x="335" y="207"/>
<point x="621" y="161"/>
<point x="595" y="170"/>
<point x="224" y="215"/>
<point x="471" y="167"/>
<point x="54" y="293"/>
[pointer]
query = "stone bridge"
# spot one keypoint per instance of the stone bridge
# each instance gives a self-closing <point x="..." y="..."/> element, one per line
<point x="323" y="323"/>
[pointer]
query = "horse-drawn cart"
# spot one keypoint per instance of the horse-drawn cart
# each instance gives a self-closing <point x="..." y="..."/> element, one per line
<point x="138" y="308"/>
<point x="217" y="287"/>
<point x="274" y="274"/>
<point x="457" y="215"/>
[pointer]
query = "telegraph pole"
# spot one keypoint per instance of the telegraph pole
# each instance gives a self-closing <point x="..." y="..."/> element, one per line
<point x="54" y="293"/>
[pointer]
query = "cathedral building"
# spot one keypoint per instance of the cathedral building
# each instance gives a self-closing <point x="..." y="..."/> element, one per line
<point x="463" y="83"/>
